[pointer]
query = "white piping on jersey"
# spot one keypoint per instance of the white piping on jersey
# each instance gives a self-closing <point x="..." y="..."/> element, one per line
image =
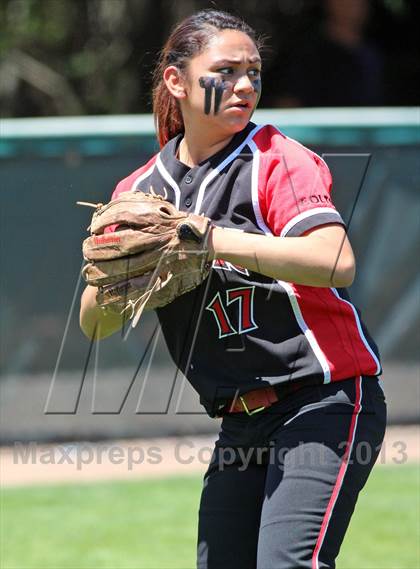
<point x="166" y="175"/>
<point x="306" y="214"/>
<point x="295" y="305"/>
<point x="360" y="330"/>
<point x="254" y="188"/>
<point x="221" y="166"/>
<point x="141" y="177"/>
<point x="309" y="335"/>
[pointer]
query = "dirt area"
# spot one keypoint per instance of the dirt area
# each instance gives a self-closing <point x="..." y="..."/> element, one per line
<point x="146" y="458"/>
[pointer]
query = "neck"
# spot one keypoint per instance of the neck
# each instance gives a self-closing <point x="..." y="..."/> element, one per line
<point x="196" y="146"/>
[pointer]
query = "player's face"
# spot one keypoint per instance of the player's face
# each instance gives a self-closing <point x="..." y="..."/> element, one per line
<point x="223" y="83"/>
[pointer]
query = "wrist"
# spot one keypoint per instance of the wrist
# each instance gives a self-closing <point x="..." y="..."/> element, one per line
<point x="212" y="242"/>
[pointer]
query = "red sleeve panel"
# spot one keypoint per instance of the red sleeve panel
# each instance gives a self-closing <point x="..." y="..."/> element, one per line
<point x="294" y="185"/>
<point x="133" y="181"/>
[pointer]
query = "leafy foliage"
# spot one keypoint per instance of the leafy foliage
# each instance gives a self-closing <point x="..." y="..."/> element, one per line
<point x="68" y="57"/>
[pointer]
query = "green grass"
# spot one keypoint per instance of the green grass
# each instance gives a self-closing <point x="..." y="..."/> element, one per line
<point x="147" y="524"/>
<point x="152" y="525"/>
<point x="384" y="532"/>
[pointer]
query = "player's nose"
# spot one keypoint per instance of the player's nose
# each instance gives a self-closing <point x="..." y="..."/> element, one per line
<point x="243" y="84"/>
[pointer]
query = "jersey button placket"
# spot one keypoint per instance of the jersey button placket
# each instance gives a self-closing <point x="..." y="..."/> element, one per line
<point x="187" y="180"/>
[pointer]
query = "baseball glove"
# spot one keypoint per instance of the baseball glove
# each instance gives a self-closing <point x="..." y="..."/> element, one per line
<point x="154" y="254"/>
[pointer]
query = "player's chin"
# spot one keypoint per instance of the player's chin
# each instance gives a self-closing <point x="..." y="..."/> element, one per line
<point x="236" y="118"/>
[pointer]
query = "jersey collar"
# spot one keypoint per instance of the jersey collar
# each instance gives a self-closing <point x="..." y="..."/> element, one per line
<point x="178" y="169"/>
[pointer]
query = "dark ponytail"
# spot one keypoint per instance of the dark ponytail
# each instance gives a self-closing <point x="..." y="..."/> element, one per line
<point x="188" y="39"/>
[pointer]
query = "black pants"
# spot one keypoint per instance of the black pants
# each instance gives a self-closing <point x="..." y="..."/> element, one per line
<point x="282" y="484"/>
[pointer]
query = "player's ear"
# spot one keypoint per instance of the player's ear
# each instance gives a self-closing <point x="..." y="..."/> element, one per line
<point x="175" y="82"/>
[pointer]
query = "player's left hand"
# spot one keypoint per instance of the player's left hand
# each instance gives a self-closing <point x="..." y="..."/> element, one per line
<point x="143" y="253"/>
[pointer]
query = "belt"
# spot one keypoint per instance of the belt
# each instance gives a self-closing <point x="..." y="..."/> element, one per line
<point x="257" y="400"/>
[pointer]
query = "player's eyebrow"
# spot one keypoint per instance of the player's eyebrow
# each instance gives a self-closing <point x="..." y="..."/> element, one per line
<point x="255" y="59"/>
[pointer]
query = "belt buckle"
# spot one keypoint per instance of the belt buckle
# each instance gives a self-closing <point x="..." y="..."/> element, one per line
<point x="247" y="411"/>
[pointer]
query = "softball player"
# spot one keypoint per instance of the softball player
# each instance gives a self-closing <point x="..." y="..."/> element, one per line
<point x="270" y="341"/>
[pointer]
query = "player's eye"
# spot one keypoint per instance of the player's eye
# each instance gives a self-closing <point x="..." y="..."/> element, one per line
<point x="254" y="72"/>
<point x="225" y="70"/>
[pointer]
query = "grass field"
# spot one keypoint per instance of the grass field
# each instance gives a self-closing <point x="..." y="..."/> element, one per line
<point x="152" y="524"/>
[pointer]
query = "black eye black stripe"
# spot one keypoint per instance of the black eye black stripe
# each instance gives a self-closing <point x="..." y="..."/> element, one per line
<point x="208" y="84"/>
<point x="219" y="88"/>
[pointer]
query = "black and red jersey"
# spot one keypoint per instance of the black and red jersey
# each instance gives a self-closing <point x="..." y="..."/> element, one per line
<point x="240" y="329"/>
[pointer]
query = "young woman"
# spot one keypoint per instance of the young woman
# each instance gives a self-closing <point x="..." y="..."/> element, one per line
<point x="270" y="340"/>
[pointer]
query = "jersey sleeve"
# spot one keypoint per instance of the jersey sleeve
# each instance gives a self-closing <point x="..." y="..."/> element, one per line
<point x="297" y="194"/>
<point x="135" y="180"/>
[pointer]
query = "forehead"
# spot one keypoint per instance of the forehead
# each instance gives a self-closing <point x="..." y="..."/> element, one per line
<point x="230" y="45"/>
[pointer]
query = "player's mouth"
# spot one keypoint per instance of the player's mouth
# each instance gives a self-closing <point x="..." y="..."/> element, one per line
<point x="242" y="105"/>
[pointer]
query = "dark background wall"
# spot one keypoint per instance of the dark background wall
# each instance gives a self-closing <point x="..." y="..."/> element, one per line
<point x="42" y="347"/>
